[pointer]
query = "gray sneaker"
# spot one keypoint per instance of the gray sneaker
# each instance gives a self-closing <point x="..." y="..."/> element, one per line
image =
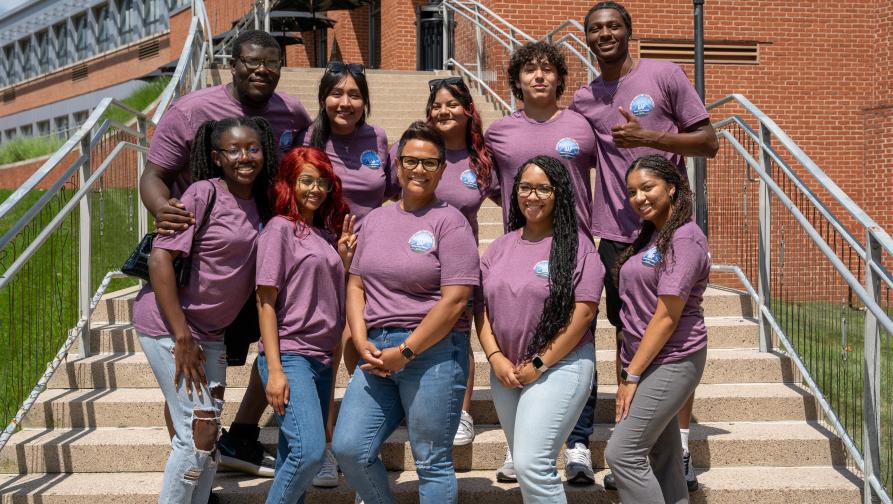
<point x="578" y="465"/>
<point x="691" y="479"/>
<point x="506" y="473"/>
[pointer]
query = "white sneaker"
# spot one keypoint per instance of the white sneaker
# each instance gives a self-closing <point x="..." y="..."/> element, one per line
<point x="465" y="433"/>
<point x="578" y="465"/>
<point x="327" y="477"/>
<point x="506" y="473"/>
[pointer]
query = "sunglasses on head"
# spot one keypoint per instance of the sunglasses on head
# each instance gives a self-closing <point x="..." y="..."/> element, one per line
<point x="452" y="81"/>
<point x="339" y="67"/>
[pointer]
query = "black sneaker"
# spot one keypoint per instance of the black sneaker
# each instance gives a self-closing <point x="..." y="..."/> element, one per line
<point x="609" y="482"/>
<point x="213" y="499"/>
<point x="245" y="456"/>
<point x="691" y="479"/>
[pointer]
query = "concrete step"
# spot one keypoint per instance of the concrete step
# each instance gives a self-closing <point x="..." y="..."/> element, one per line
<point x="144" y="407"/>
<point x="722" y="332"/>
<point x="130" y="370"/>
<point x="720" y="485"/>
<point x="785" y="444"/>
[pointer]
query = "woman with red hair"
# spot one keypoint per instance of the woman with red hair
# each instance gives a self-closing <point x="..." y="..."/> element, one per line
<point x="303" y="253"/>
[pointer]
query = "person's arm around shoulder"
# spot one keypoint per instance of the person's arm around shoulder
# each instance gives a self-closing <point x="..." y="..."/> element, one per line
<point x="155" y="188"/>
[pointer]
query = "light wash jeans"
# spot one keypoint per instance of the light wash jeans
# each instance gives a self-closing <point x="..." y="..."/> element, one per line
<point x="543" y="413"/>
<point x="428" y="393"/>
<point x="302" y="431"/>
<point x="189" y="473"/>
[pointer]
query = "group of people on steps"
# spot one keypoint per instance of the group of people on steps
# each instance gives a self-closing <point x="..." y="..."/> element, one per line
<point x="292" y="214"/>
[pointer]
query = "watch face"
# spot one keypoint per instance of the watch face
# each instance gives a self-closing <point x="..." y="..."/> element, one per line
<point x="537" y="362"/>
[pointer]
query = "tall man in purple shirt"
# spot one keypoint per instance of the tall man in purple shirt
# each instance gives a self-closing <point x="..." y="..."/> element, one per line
<point x="636" y="108"/>
<point x="255" y="67"/>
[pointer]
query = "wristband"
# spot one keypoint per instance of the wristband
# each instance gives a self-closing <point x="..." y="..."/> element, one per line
<point x="492" y="354"/>
<point x="630" y="378"/>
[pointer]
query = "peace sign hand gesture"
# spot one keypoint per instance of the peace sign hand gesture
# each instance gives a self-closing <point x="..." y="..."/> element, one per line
<point x="631" y="134"/>
<point x="347" y="243"/>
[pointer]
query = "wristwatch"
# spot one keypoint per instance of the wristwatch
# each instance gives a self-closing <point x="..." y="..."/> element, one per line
<point x="406" y="352"/>
<point x="627" y="377"/>
<point x="538" y="363"/>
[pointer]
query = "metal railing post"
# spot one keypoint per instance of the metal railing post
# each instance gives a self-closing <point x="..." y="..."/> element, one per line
<point x="85" y="254"/>
<point x="267" y="16"/>
<point x="142" y="219"/>
<point x="871" y="414"/>
<point x="480" y="43"/>
<point x="445" y="41"/>
<point x="765" y="244"/>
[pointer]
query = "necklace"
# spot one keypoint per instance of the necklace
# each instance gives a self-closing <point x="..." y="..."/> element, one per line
<point x="611" y="94"/>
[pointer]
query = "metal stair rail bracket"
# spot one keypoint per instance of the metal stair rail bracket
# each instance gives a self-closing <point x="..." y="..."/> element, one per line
<point x="87" y="192"/>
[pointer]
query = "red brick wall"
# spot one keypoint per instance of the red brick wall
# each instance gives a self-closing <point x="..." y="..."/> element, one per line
<point x="398" y="34"/>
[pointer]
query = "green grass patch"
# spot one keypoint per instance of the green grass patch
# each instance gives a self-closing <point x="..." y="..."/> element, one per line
<point x="22" y="148"/>
<point x="139" y="99"/>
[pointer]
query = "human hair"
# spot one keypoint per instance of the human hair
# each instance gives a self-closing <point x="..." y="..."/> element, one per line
<point x="535" y="51"/>
<point x="322" y="128"/>
<point x="624" y="14"/>
<point x="680" y="210"/>
<point x="330" y="215"/>
<point x="559" y="306"/>
<point x="207" y="139"/>
<point x="256" y="37"/>
<point x="419" y="130"/>
<point x="481" y="161"/>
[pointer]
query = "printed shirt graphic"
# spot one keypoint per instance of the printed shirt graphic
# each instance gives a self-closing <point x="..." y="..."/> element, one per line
<point x="569" y="138"/>
<point x="405" y="257"/>
<point x="515" y="276"/>
<point x="663" y="99"/>
<point x="647" y="275"/>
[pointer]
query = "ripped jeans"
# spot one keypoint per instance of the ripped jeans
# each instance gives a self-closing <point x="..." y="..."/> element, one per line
<point x="190" y="469"/>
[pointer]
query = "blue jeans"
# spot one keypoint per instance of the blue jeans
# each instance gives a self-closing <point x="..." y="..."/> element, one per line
<point x="189" y="473"/>
<point x="302" y="431"/>
<point x="428" y="393"/>
<point x="543" y="414"/>
<point x="585" y="425"/>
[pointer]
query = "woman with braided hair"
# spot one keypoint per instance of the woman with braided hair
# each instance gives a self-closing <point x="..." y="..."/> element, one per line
<point x="662" y="277"/>
<point x="542" y="282"/>
<point x="181" y="328"/>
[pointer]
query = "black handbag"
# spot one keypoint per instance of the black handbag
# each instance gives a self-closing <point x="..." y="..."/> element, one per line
<point x="243" y="331"/>
<point x="137" y="265"/>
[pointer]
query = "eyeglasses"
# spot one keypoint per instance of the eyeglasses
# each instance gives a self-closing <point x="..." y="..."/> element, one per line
<point x="253" y="64"/>
<point x="542" y="191"/>
<point x="428" y="164"/>
<point x="452" y="81"/>
<point x="235" y="153"/>
<point x="323" y="183"/>
<point x="339" y="67"/>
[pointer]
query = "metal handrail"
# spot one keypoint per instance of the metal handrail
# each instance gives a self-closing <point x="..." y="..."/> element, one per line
<point x="468" y="73"/>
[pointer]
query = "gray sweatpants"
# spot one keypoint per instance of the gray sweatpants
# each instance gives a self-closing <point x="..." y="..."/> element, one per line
<point x="645" y="451"/>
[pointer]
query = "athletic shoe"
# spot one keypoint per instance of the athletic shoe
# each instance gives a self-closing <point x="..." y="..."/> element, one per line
<point x="465" y="434"/>
<point x="506" y="473"/>
<point x="691" y="479"/>
<point x="609" y="482"/>
<point x="357" y="499"/>
<point x="327" y="477"/>
<point x="213" y="499"/>
<point x="248" y="457"/>
<point x="578" y="465"/>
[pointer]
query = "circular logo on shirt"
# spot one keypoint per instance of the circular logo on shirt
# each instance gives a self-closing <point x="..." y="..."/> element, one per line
<point x="568" y="148"/>
<point x="370" y="159"/>
<point x="541" y="269"/>
<point x="469" y="179"/>
<point x="641" y="105"/>
<point x="285" y="139"/>
<point x="651" y="257"/>
<point x="421" y="241"/>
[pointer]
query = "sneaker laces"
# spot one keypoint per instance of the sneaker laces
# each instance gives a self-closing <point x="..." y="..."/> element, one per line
<point x="329" y="464"/>
<point x="579" y="454"/>
<point x="465" y="421"/>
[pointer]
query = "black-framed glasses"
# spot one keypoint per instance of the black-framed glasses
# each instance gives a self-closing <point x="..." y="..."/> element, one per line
<point x="339" y="67"/>
<point x="324" y="184"/>
<point x="253" y="64"/>
<point x="453" y="81"/>
<point x="542" y="191"/>
<point x="428" y="164"/>
<point x="235" y="153"/>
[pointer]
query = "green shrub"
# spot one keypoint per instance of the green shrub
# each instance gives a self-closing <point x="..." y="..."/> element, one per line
<point x="139" y="99"/>
<point x="22" y="148"/>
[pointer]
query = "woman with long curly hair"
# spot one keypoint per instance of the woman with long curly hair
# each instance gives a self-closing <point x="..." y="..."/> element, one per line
<point x="302" y="255"/>
<point x="661" y="277"/>
<point x="542" y="282"/>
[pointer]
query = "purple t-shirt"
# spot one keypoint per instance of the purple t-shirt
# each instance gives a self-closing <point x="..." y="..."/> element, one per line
<point x="516" y="284"/>
<point x="173" y="137"/>
<point x="459" y="185"/>
<point x="661" y="97"/>
<point x="516" y="138"/>
<point x="222" y="273"/>
<point x="684" y="274"/>
<point x="361" y="162"/>
<point x="405" y="257"/>
<point x="308" y="272"/>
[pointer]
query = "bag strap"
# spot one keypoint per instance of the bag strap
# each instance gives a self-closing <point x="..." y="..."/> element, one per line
<point x="208" y="208"/>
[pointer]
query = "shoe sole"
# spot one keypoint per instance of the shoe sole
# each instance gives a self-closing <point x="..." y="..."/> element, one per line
<point x="502" y="478"/>
<point x="234" y="464"/>
<point x="580" y="478"/>
<point x="325" y="483"/>
<point x="463" y="442"/>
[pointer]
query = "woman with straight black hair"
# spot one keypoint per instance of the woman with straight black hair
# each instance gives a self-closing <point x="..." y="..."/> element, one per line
<point x="542" y="282"/>
<point x="662" y="277"/>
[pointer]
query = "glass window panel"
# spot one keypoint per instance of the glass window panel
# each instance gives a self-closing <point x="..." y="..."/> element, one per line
<point x="43" y="128"/>
<point x="103" y="33"/>
<point x="127" y="21"/>
<point x="43" y="53"/>
<point x="24" y="55"/>
<point x="80" y="37"/>
<point x="61" y="126"/>
<point x="61" y="47"/>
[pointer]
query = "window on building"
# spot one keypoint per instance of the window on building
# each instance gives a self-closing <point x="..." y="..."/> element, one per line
<point x="173" y="5"/>
<point x="154" y="16"/>
<point x="7" y="64"/>
<point x="80" y="37"/>
<point x="60" y="126"/>
<point x="43" y="128"/>
<point x="24" y="56"/>
<point x="61" y="47"/>
<point x="127" y="26"/>
<point x="9" y="134"/>
<point x="103" y="31"/>
<point x="26" y="130"/>
<point x="43" y="52"/>
<point x="80" y="117"/>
